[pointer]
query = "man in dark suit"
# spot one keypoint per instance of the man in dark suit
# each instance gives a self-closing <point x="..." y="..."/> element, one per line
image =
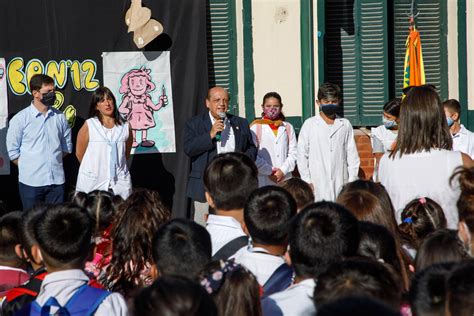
<point x="207" y="135"/>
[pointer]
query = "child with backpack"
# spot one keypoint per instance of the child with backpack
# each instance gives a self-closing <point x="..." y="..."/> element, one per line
<point x="64" y="235"/>
<point x="267" y="215"/>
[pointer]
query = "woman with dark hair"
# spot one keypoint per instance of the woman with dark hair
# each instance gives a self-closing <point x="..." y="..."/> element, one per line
<point x="138" y="220"/>
<point x="422" y="162"/>
<point x="384" y="136"/>
<point x="103" y="147"/>
<point x="276" y="142"/>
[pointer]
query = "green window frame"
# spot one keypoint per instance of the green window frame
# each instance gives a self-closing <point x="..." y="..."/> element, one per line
<point x="362" y="48"/>
<point x="222" y="48"/>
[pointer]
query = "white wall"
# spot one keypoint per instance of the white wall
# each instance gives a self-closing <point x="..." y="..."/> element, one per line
<point x="453" y="67"/>
<point x="470" y="53"/>
<point x="277" y="52"/>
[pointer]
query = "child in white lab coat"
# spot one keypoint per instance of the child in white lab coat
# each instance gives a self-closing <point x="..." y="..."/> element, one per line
<point x="463" y="139"/>
<point x="327" y="153"/>
<point x="276" y="142"/>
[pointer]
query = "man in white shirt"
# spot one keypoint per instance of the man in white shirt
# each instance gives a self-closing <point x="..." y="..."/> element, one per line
<point x="267" y="215"/>
<point x="320" y="235"/>
<point x="463" y="139"/>
<point x="228" y="180"/>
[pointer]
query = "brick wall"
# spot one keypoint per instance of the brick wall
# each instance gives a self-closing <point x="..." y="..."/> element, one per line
<point x="364" y="147"/>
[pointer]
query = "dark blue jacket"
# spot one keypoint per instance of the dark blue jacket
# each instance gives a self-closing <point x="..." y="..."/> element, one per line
<point x="199" y="146"/>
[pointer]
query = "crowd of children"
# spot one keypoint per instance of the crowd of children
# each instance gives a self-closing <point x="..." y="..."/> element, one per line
<point x="401" y="246"/>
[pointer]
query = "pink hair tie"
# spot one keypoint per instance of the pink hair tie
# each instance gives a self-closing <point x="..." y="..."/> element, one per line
<point x="422" y="200"/>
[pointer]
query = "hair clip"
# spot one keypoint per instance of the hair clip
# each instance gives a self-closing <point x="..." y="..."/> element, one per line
<point x="408" y="220"/>
<point x="422" y="200"/>
<point x="213" y="282"/>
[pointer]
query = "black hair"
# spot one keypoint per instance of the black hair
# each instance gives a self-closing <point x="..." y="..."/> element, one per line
<point x="267" y="215"/>
<point x="38" y="80"/>
<point x="362" y="276"/>
<point x="321" y="234"/>
<point x="460" y="297"/>
<point x="229" y="179"/>
<point x="443" y="245"/>
<point x="428" y="291"/>
<point x="377" y="243"/>
<point x="356" y="306"/>
<point x="28" y="222"/>
<point x="392" y="107"/>
<point x="9" y="239"/>
<point x="330" y="92"/>
<point x="64" y="235"/>
<point x="239" y="294"/>
<point x="174" y="296"/>
<point x="101" y="206"/>
<point x="300" y="190"/>
<point x="453" y="106"/>
<point x="99" y="95"/>
<point x="420" y="217"/>
<point x="181" y="247"/>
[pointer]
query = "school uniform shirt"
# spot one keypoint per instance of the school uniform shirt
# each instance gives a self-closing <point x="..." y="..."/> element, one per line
<point x="222" y="230"/>
<point x="382" y="139"/>
<point x="278" y="151"/>
<point x="297" y="300"/>
<point x="227" y="142"/>
<point x="327" y="156"/>
<point x="63" y="284"/>
<point x="259" y="262"/>
<point x="39" y="141"/>
<point x="104" y="165"/>
<point x="422" y="174"/>
<point x="11" y="277"/>
<point x="463" y="141"/>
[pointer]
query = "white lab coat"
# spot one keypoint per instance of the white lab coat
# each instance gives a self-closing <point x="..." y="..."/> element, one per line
<point x="278" y="152"/>
<point x="463" y="141"/>
<point x="327" y="156"/>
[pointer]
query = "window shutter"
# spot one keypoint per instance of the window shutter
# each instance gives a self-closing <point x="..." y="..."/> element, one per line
<point x="221" y="48"/>
<point x="356" y="57"/>
<point x="431" y="24"/>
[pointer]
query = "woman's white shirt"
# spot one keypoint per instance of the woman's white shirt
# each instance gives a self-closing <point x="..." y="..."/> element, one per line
<point x="94" y="171"/>
<point x="422" y="174"/>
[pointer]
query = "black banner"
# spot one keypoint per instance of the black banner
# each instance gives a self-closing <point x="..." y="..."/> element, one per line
<point x="67" y="38"/>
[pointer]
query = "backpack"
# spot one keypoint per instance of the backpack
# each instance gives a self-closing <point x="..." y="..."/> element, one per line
<point x="280" y="280"/>
<point x="85" y="301"/>
<point x="230" y="248"/>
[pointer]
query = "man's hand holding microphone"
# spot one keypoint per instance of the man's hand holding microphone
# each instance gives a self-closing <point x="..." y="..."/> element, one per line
<point x="218" y="126"/>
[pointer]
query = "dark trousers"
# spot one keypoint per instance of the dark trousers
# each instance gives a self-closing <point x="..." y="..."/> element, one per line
<point x="51" y="194"/>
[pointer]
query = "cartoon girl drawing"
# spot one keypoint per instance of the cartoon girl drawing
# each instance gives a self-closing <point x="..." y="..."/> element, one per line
<point x="137" y="106"/>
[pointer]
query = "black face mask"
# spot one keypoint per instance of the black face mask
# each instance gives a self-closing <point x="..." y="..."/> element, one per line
<point x="48" y="98"/>
<point x="329" y="110"/>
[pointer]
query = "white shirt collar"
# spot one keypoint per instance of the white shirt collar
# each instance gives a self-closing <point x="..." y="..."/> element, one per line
<point x="223" y="221"/>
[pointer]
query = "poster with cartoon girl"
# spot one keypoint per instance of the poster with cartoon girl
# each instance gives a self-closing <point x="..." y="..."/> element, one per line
<point x="142" y="87"/>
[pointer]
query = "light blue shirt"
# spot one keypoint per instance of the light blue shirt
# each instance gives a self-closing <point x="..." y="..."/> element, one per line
<point x="38" y="141"/>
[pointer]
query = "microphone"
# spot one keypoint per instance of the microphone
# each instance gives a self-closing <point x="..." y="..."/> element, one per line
<point x="222" y="116"/>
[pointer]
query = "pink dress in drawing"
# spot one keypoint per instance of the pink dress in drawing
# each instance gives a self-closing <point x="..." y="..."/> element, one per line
<point x="137" y="105"/>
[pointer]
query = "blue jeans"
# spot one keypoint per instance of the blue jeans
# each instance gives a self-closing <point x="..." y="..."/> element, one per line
<point x="51" y="194"/>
